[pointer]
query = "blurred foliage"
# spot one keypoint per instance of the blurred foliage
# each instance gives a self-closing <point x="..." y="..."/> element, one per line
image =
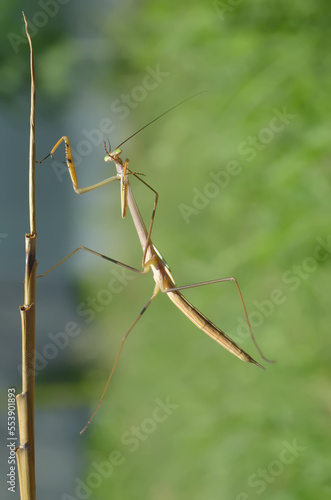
<point x="263" y="227"/>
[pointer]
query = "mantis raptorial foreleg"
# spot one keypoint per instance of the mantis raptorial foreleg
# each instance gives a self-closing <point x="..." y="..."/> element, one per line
<point x="123" y="177"/>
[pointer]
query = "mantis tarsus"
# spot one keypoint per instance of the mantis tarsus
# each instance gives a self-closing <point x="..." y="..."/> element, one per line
<point x="151" y="259"/>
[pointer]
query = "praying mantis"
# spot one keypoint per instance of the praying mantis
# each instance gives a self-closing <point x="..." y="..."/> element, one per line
<point x="151" y="259"/>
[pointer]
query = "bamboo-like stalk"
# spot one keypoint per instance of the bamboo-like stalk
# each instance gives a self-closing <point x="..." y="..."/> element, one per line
<point x="25" y="453"/>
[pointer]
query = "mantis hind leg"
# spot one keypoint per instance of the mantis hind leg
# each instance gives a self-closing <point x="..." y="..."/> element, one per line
<point x="156" y="289"/>
<point x="220" y="280"/>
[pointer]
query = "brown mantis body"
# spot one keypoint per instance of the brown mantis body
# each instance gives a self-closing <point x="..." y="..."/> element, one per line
<point x="152" y="259"/>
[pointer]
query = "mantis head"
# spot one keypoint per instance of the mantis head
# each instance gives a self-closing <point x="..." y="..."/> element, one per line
<point x="115" y="155"/>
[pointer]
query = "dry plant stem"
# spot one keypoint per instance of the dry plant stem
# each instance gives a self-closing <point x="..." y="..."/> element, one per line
<point x="25" y="453"/>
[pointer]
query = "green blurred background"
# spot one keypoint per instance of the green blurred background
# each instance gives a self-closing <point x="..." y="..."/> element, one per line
<point x="234" y="431"/>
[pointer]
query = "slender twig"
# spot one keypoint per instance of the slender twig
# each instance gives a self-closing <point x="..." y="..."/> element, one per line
<point x="25" y="453"/>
